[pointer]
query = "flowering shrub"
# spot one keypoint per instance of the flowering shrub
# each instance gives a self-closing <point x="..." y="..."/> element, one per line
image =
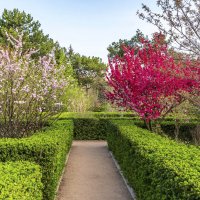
<point x="148" y="80"/>
<point x="30" y="90"/>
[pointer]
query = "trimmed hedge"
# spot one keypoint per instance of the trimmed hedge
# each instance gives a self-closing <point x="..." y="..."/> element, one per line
<point x="156" y="167"/>
<point x="112" y="115"/>
<point x="168" y="128"/>
<point x="20" y="180"/>
<point x="95" y="128"/>
<point x="48" y="149"/>
<point x="89" y="129"/>
<point x="184" y="130"/>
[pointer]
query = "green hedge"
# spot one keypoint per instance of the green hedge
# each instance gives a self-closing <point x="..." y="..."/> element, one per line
<point x="166" y="127"/>
<point x="48" y="149"/>
<point x="72" y="115"/>
<point x="156" y="167"/>
<point x="89" y="129"/>
<point x="114" y="115"/>
<point x="184" y="130"/>
<point x="95" y="128"/>
<point x="20" y="181"/>
<point x="169" y="128"/>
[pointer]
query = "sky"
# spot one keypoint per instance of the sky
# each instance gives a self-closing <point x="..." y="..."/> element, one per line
<point x="90" y="26"/>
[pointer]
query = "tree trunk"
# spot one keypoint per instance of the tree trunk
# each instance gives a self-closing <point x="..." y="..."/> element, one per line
<point x="148" y="124"/>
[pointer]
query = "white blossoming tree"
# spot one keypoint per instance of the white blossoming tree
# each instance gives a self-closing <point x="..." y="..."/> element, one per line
<point x="30" y="91"/>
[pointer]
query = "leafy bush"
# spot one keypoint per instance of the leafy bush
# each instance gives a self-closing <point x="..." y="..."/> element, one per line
<point x="87" y="125"/>
<point x="20" y="180"/>
<point x="114" y="114"/>
<point x="30" y="90"/>
<point x="89" y="129"/>
<point x="48" y="149"/>
<point x="156" y="167"/>
<point x="76" y="99"/>
<point x="110" y="115"/>
<point x="169" y="128"/>
<point x="95" y="128"/>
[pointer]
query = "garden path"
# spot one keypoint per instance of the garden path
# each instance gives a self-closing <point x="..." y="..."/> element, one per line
<point x="91" y="174"/>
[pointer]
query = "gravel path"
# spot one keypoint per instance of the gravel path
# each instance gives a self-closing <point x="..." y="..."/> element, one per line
<point x="91" y="174"/>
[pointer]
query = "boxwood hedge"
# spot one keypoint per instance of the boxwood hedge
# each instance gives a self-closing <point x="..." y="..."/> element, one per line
<point x="156" y="167"/>
<point x="72" y="115"/>
<point x="169" y="127"/>
<point x="94" y="128"/>
<point x="20" y="180"/>
<point x="89" y="129"/>
<point x="47" y="148"/>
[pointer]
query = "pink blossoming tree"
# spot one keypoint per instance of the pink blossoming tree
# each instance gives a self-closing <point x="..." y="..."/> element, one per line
<point x="30" y="91"/>
<point x="148" y="80"/>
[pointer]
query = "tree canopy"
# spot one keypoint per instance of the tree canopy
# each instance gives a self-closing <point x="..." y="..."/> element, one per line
<point x="148" y="80"/>
<point x="116" y="48"/>
<point x="15" y="22"/>
<point x="178" y="19"/>
<point x="87" y="69"/>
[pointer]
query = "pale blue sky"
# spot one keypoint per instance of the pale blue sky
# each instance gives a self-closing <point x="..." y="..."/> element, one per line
<point x="88" y="25"/>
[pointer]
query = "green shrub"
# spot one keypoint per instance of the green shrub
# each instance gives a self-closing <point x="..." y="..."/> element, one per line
<point x="122" y="115"/>
<point x="97" y="128"/>
<point x="20" y="181"/>
<point x="169" y="128"/>
<point x="114" y="115"/>
<point x="185" y="130"/>
<point x="156" y="167"/>
<point x="48" y="149"/>
<point x="89" y="129"/>
<point x="91" y="125"/>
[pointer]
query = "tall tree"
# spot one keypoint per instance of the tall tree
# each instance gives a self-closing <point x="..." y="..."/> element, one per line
<point x="116" y="48"/>
<point x="87" y="69"/>
<point x="148" y="81"/>
<point x="30" y="90"/>
<point x="90" y="74"/>
<point x="70" y="51"/>
<point x="180" y="21"/>
<point x="15" y="22"/>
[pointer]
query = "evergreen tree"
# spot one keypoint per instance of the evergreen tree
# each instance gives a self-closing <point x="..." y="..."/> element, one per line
<point x="15" y="22"/>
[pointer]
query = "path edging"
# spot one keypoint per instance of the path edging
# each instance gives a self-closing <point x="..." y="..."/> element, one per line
<point x="130" y="189"/>
<point x="63" y="171"/>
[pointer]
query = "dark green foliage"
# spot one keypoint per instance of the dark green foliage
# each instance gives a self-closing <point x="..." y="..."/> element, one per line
<point x="93" y="125"/>
<point x="85" y="129"/>
<point x="122" y="115"/>
<point x="48" y="149"/>
<point x="116" y="48"/>
<point x="110" y="115"/>
<point x="89" y="129"/>
<point x="169" y="128"/>
<point x="96" y="128"/>
<point x="90" y="74"/>
<point x="156" y="167"/>
<point x="88" y="70"/>
<point x="20" y="181"/>
<point x="15" y="21"/>
<point x="185" y="130"/>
